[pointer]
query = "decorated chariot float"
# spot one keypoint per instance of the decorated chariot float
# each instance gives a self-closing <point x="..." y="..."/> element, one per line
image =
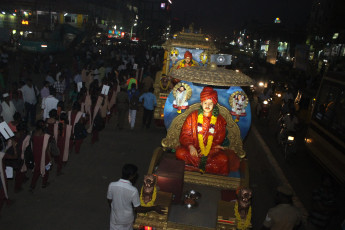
<point x="186" y="48"/>
<point x="200" y="173"/>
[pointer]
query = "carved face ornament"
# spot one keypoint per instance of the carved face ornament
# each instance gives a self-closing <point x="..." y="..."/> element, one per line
<point x="245" y="197"/>
<point x="149" y="181"/>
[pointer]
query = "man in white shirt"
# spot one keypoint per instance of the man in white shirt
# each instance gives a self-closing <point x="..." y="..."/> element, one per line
<point x="122" y="197"/>
<point x="30" y="93"/>
<point x="49" y="103"/>
<point x="284" y="216"/>
<point x="8" y="109"/>
<point x="50" y="79"/>
<point x="77" y="78"/>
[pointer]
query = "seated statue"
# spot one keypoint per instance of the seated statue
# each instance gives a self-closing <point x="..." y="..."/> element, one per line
<point x="201" y="138"/>
<point x="187" y="61"/>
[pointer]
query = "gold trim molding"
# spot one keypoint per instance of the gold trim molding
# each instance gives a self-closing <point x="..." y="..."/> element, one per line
<point x="221" y="182"/>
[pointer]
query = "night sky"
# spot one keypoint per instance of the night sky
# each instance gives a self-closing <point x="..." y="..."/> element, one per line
<point x="222" y="16"/>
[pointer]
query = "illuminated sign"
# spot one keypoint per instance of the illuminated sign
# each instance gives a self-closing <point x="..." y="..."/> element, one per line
<point x="163" y="5"/>
<point x="277" y="20"/>
<point x="44" y="46"/>
<point x="24" y="22"/>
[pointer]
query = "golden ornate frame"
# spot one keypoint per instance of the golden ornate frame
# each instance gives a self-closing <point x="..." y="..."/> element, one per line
<point x="231" y="98"/>
<point x="202" y="55"/>
<point x="186" y="86"/>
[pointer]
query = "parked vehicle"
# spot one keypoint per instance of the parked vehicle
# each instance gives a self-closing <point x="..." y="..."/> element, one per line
<point x="325" y="137"/>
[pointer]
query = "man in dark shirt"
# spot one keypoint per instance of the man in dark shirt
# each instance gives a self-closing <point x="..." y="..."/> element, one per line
<point x="122" y="104"/>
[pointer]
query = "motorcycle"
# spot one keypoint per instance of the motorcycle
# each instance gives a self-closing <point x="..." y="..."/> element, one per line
<point x="278" y="91"/>
<point x="263" y="108"/>
<point x="286" y="139"/>
<point x="251" y="92"/>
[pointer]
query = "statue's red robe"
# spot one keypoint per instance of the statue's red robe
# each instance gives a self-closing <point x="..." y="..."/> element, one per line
<point x="218" y="160"/>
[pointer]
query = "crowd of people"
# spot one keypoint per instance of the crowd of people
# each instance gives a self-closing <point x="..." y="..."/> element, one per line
<point x="51" y="122"/>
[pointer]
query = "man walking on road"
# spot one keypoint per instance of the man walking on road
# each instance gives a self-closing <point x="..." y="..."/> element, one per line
<point x="30" y="93"/>
<point x="150" y="103"/>
<point x="122" y="197"/>
<point x="133" y="96"/>
<point x="284" y="216"/>
<point x="49" y="103"/>
<point x="122" y="104"/>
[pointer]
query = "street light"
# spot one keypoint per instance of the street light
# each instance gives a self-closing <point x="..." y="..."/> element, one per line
<point x="135" y="24"/>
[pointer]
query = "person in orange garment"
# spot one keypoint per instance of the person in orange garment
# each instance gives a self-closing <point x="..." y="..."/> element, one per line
<point x="188" y="60"/>
<point x="201" y="137"/>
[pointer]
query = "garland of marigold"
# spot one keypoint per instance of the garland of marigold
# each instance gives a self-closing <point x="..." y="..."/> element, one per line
<point x="206" y="150"/>
<point x="152" y="201"/>
<point x="242" y="224"/>
<point x="160" y="84"/>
